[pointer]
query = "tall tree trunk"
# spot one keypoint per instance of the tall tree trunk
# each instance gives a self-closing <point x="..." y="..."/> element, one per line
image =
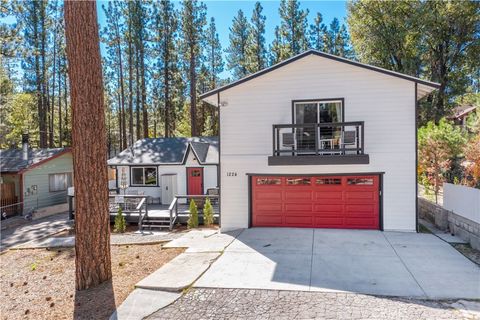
<point x="92" y="225"/>
<point x="166" y="83"/>
<point x="65" y="101"/>
<point x="52" y="123"/>
<point x="144" y="93"/>
<point x="38" y="75"/>
<point x="193" y="94"/>
<point x="60" y="133"/>
<point x="130" y="85"/>
<point x="123" y="132"/>
<point x="120" y="124"/>
<point x="137" y="95"/>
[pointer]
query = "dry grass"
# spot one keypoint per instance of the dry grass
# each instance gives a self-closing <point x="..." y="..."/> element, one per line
<point x="40" y="284"/>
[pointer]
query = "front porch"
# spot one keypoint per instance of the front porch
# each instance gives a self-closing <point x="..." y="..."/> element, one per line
<point x="161" y="212"/>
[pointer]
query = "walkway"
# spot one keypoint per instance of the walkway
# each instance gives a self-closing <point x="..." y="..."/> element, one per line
<point x="33" y="230"/>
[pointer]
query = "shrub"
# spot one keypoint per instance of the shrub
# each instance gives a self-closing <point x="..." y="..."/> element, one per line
<point x="120" y="224"/>
<point x="193" y="215"/>
<point x="207" y="213"/>
<point x="438" y="146"/>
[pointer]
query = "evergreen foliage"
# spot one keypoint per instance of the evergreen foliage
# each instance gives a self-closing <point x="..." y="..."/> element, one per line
<point x="193" y="215"/>
<point x="120" y="224"/>
<point x="208" y="213"/>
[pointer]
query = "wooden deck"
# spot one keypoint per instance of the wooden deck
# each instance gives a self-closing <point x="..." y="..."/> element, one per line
<point x="161" y="211"/>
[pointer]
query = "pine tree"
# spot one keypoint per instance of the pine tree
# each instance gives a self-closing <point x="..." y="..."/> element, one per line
<point x="213" y="67"/>
<point x="237" y="51"/>
<point x="34" y="17"/>
<point x="318" y="31"/>
<point x="278" y="48"/>
<point x="192" y="35"/>
<point x="112" y="33"/>
<point x="213" y="55"/>
<point x="92" y="227"/>
<point x="193" y="215"/>
<point x="256" y="49"/>
<point x="293" y="27"/>
<point x="166" y="25"/>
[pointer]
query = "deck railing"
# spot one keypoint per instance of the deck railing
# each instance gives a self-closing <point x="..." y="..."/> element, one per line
<point x="336" y="138"/>
<point x="199" y="201"/>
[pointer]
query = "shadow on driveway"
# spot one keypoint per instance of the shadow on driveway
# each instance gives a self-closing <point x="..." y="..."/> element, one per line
<point x="359" y="261"/>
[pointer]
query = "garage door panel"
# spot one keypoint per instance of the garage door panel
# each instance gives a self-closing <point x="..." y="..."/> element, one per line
<point x="361" y="223"/>
<point x="361" y="208"/>
<point x="292" y="207"/>
<point x="320" y="209"/>
<point x="305" y="221"/>
<point x="324" y="202"/>
<point x="360" y="195"/>
<point x="298" y="195"/>
<point x="328" y="195"/>
<point x="268" y="195"/>
<point x="268" y="207"/>
<point x="329" y="222"/>
<point x="264" y="220"/>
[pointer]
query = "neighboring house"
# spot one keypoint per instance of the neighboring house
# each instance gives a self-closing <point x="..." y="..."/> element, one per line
<point x="319" y="141"/>
<point x="164" y="167"/>
<point x="461" y="113"/>
<point x="34" y="178"/>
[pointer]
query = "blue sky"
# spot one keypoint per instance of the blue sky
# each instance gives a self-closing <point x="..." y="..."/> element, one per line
<point x="224" y="12"/>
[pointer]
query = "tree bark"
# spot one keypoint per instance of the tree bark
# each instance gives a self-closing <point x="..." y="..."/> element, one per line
<point x="92" y="225"/>
<point x="193" y="94"/>
<point x="130" y="85"/>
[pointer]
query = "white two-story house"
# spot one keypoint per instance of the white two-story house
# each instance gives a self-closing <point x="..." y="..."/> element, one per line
<point x="319" y="141"/>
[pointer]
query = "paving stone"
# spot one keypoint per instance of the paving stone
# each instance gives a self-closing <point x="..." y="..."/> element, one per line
<point x="180" y="272"/>
<point x="270" y="304"/>
<point x="141" y="303"/>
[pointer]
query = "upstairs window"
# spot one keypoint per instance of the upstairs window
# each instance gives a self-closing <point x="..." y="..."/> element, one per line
<point x="144" y="176"/>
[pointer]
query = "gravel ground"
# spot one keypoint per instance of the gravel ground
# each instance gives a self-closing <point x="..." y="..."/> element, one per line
<point x="278" y="305"/>
<point x="40" y="283"/>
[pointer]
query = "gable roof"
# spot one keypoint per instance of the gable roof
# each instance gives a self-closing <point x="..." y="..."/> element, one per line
<point x="424" y="86"/>
<point x="11" y="160"/>
<point x="158" y="151"/>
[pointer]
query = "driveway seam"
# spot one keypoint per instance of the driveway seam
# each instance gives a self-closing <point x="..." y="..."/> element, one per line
<point x="405" y="265"/>
<point x="311" y="262"/>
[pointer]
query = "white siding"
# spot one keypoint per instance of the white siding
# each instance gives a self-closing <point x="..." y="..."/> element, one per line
<point x="209" y="172"/>
<point x="385" y="103"/>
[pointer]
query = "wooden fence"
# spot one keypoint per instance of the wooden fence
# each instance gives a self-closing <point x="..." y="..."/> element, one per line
<point x="9" y="204"/>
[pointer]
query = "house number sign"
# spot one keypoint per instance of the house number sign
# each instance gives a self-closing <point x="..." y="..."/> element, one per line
<point x="231" y="174"/>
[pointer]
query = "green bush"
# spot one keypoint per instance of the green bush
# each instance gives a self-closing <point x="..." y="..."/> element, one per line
<point x="120" y="223"/>
<point x="207" y="213"/>
<point x="193" y="216"/>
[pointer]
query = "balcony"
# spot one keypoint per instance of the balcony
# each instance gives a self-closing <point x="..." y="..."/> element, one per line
<point x="318" y="144"/>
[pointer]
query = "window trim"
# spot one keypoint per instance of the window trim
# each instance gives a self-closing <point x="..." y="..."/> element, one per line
<point x="53" y="174"/>
<point x="320" y="100"/>
<point x="143" y="185"/>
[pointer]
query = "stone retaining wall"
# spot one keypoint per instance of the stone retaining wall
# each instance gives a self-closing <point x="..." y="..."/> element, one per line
<point x="446" y="220"/>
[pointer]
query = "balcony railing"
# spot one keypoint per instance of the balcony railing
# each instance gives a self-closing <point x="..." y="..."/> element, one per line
<point x="319" y="139"/>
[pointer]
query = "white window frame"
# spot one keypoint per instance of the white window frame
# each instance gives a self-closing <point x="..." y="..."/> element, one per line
<point x="143" y="176"/>
<point x="69" y="178"/>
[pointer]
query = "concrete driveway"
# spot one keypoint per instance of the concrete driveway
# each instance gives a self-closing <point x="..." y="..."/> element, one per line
<point x="370" y="262"/>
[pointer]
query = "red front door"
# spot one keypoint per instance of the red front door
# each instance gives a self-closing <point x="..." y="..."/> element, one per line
<point x="194" y="181"/>
<point x="344" y="202"/>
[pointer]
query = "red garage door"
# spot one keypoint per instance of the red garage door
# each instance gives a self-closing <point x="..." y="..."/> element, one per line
<point x="346" y="202"/>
